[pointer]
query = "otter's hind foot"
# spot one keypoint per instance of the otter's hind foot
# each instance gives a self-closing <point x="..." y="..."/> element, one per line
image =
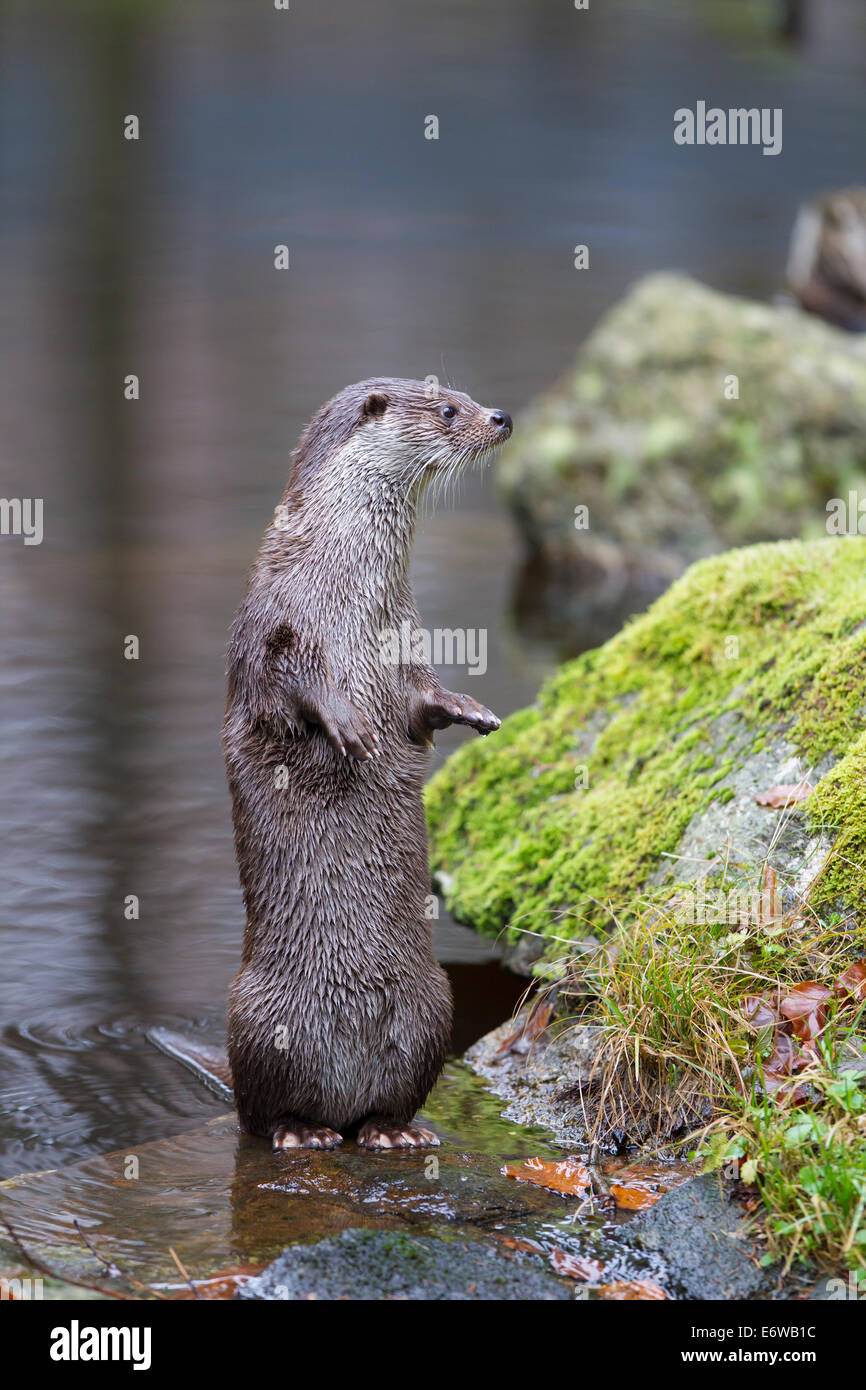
<point x="297" y="1134"/>
<point x="386" y="1134"/>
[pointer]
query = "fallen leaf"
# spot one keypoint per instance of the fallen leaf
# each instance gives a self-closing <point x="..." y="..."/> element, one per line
<point x="805" y="1007"/>
<point x="531" y="1247"/>
<point x="639" y="1185"/>
<point x="567" y="1175"/>
<point x="635" y="1197"/>
<point x="520" y="1041"/>
<point x="785" y="1057"/>
<point x="632" y="1289"/>
<point x="785" y="795"/>
<point x="218" y="1286"/>
<point x="785" y="1090"/>
<point x="761" y="1010"/>
<point x="853" y="980"/>
<point x="576" y="1266"/>
<point x="770" y="903"/>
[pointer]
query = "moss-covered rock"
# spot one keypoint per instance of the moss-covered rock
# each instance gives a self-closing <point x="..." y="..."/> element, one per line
<point x="642" y="759"/>
<point x="385" y="1265"/>
<point x="646" y="433"/>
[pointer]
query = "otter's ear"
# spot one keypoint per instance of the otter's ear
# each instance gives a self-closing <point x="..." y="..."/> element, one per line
<point x="375" y="404"/>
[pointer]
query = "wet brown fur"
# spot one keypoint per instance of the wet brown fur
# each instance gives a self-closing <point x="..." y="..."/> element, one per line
<point x="339" y="1011"/>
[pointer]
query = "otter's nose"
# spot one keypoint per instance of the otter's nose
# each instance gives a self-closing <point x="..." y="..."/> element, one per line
<point x="501" y="419"/>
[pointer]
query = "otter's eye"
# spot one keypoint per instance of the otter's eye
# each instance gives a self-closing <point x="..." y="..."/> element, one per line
<point x="448" y="412"/>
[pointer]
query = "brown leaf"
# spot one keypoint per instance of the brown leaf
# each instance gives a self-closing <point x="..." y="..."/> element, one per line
<point x="639" y="1185"/>
<point x="632" y="1289"/>
<point x="218" y="1286"/>
<point x="785" y="1057"/>
<point x="566" y="1175"/>
<point x="636" y="1197"/>
<point x="520" y="1041"/>
<point x="770" y="903"/>
<point x="785" y="1090"/>
<point x="761" y="1010"/>
<point x="853" y="981"/>
<point x="576" y="1266"/>
<point x="519" y="1243"/>
<point x="805" y="1007"/>
<point x="785" y="795"/>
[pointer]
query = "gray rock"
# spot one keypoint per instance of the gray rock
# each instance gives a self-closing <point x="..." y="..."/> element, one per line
<point x="537" y="1085"/>
<point x="700" y="1235"/>
<point x="384" y="1265"/>
<point x="745" y="831"/>
<point x="641" y="432"/>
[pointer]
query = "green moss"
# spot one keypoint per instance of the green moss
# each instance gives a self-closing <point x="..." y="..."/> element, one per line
<point x="840" y="806"/>
<point x="767" y="636"/>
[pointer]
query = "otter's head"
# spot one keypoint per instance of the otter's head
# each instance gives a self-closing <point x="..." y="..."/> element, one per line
<point x="399" y="434"/>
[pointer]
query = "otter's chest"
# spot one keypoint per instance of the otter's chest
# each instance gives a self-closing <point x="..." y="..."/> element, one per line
<point x="370" y="650"/>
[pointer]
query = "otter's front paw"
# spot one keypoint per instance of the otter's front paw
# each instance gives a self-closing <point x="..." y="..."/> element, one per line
<point x="351" y="733"/>
<point x="436" y="709"/>
<point x="477" y="716"/>
<point x="462" y="709"/>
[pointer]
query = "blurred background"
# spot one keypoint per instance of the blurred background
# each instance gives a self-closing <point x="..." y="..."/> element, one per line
<point x="408" y="257"/>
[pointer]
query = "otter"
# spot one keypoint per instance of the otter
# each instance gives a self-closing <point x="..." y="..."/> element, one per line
<point x="339" y="1017"/>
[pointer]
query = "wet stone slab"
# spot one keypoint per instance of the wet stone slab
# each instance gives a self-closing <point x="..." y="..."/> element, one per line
<point x="442" y="1186"/>
<point x="221" y="1200"/>
<point x="536" y="1086"/>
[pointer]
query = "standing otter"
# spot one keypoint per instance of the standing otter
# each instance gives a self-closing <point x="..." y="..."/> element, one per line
<point x="339" y="1017"/>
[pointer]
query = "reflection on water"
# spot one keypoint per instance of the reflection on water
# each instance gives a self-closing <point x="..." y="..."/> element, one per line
<point x="408" y="257"/>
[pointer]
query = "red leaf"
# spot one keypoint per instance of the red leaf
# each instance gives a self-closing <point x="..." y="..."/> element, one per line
<point x="567" y="1175"/>
<point x="636" y="1197"/>
<point x="520" y="1041"/>
<point x="770" y="902"/>
<point x="639" y="1185"/>
<point x="218" y="1286"/>
<point x="519" y="1243"/>
<point x="785" y="1056"/>
<point x="631" y="1289"/>
<point x="576" y="1266"/>
<point x="785" y="1090"/>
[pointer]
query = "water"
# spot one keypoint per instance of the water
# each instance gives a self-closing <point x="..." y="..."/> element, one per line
<point x="409" y="258"/>
<point x="227" y="1204"/>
